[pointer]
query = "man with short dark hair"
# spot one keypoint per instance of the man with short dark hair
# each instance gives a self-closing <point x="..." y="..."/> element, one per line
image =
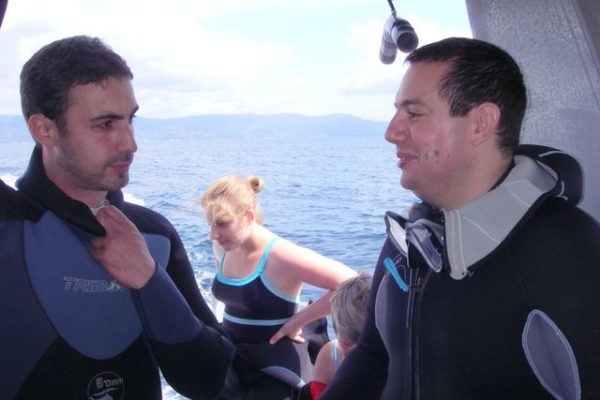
<point x="489" y="289"/>
<point x="98" y="293"/>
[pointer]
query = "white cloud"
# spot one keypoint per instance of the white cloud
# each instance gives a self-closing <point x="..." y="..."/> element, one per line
<point x="370" y="78"/>
<point x="188" y="57"/>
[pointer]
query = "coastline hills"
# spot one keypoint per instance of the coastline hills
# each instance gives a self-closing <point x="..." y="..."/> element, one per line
<point x="12" y="127"/>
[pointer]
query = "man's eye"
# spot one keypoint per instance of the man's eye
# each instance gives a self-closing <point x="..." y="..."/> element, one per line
<point x="107" y="125"/>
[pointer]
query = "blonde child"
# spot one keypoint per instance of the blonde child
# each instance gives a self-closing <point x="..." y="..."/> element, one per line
<point x="348" y="308"/>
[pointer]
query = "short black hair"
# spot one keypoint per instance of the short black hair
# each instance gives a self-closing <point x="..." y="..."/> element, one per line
<point x="480" y="72"/>
<point x="54" y="69"/>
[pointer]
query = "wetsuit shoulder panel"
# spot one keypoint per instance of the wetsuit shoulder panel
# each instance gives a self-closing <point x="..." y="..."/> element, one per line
<point x="72" y="287"/>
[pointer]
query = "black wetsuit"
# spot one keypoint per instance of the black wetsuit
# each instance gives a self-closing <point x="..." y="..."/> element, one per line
<point x="68" y="331"/>
<point x="514" y="314"/>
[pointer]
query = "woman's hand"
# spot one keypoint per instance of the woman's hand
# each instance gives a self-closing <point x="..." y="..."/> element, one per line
<point x="290" y="330"/>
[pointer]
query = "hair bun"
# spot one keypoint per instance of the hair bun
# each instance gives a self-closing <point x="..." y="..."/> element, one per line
<point x="256" y="183"/>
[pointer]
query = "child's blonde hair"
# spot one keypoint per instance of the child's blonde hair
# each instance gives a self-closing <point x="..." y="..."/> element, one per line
<point x="349" y="305"/>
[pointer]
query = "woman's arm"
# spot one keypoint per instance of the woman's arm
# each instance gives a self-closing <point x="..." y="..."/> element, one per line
<point x="294" y="265"/>
<point x="293" y="327"/>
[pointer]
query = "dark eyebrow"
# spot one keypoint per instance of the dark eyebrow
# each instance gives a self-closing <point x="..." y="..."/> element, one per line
<point x="113" y="116"/>
<point x="409" y="102"/>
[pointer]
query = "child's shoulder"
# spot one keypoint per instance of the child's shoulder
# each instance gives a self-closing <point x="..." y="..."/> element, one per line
<point x="325" y="365"/>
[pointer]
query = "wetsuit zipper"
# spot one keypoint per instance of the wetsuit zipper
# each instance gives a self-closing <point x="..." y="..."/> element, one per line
<point x="412" y="279"/>
<point x="422" y="277"/>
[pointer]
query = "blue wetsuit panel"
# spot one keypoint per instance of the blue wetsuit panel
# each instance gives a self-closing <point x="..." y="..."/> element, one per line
<point x="16" y="296"/>
<point x="71" y="287"/>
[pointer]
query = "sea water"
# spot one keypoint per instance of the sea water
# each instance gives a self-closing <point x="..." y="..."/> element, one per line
<point x="326" y="192"/>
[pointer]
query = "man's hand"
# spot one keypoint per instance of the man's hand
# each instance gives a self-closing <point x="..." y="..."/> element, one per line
<point x="123" y="251"/>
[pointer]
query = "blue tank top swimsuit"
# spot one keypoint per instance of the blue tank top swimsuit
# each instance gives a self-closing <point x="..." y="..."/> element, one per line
<point x="254" y="311"/>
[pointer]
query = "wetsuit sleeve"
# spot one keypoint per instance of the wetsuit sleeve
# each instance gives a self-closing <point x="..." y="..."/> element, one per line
<point x="193" y="354"/>
<point x="363" y="373"/>
<point x="180" y="271"/>
<point x="193" y="357"/>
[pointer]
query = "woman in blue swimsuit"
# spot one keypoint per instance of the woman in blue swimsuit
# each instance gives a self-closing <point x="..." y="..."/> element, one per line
<point x="259" y="278"/>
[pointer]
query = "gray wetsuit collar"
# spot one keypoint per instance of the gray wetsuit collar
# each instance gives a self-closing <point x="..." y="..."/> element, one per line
<point x="475" y="230"/>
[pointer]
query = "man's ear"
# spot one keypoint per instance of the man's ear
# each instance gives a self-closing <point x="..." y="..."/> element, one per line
<point x="43" y="129"/>
<point x="487" y="118"/>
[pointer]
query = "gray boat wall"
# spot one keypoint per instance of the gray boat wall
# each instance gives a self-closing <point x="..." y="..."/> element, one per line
<point x="556" y="43"/>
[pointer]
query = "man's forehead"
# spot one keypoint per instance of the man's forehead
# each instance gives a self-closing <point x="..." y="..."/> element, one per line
<point x="423" y="72"/>
<point x="101" y="84"/>
<point x="421" y="81"/>
<point x="98" y="91"/>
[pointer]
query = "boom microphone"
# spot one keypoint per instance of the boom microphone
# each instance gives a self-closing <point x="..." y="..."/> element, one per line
<point x="398" y="34"/>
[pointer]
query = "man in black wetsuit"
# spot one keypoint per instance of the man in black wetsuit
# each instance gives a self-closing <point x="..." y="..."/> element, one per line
<point x="489" y="288"/>
<point x="98" y="293"/>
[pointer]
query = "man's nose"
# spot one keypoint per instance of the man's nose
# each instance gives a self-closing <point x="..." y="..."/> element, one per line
<point x="127" y="137"/>
<point x="396" y="130"/>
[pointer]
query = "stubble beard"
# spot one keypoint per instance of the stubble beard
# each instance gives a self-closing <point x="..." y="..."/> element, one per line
<point x="93" y="178"/>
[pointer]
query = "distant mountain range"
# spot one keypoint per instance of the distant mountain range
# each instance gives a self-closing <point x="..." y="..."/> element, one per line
<point x="12" y="128"/>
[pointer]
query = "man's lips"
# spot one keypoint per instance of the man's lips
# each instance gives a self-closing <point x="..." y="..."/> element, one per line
<point x="122" y="162"/>
<point x="121" y="167"/>
<point x="404" y="159"/>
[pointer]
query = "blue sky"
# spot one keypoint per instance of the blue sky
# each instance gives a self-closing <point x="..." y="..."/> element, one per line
<point x="191" y="57"/>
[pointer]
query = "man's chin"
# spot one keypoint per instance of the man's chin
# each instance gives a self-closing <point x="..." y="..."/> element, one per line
<point x="406" y="182"/>
<point x="117" y="183"/>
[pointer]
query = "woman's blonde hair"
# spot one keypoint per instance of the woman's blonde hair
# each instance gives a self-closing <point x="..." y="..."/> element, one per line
<point x="233" y="195"/>
<point x="349" y="305"/>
